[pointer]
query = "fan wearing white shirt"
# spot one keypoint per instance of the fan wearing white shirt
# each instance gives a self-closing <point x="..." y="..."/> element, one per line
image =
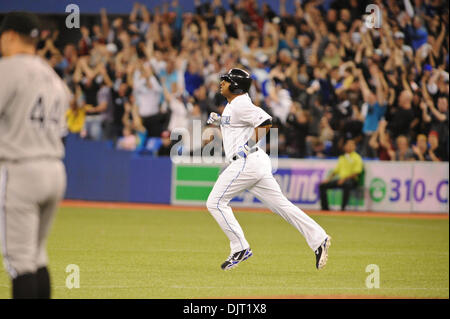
<point x="148" y="92"/>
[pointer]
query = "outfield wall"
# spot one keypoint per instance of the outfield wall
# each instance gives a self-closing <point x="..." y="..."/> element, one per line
<point x="96" y="171"/>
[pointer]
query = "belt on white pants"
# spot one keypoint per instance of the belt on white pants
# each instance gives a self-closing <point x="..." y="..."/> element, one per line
<point x="253" y="150"/>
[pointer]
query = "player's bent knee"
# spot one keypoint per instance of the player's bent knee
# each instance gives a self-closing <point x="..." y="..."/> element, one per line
<point x="211" y="204"/>
<point x="215" y="203"/>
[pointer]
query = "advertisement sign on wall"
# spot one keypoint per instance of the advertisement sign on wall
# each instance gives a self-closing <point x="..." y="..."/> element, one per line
<point x="386" y="182"/>
<point x="386" y="186"/>
<point x="429" y="188"/>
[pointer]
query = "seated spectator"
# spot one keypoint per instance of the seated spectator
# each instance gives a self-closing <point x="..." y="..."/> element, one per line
<point x="403" y="151"/>
<point x="318" y="148"/>
<point x="345" y="175"/>
<point x="436" y="153"/>
<point x="167" y="144"/>
<point x="421" y="148"/>
<point x="129" y="140"/>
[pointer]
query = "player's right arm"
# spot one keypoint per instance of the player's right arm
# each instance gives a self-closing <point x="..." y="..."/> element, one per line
<point x="214" y="119"/>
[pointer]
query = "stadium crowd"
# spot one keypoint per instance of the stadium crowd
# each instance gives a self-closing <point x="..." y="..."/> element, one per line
<point x="321" y="71"/>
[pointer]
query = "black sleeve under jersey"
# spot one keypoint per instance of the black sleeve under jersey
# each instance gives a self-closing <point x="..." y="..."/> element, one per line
<point x="266" y="122"/>
<point x="252" y="142"/>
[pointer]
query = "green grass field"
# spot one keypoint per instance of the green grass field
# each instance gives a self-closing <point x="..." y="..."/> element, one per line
<point x="130" y="253"/>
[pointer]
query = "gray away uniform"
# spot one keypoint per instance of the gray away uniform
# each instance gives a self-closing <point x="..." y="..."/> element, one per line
<point x="33" y="102"/>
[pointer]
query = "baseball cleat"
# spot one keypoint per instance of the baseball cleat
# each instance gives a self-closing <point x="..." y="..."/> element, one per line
<point x="322" y="253"/>
<point x="234" y="259"/>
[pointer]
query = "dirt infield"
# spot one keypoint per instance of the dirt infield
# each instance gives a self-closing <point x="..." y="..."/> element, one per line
<point x="120" y="205"/>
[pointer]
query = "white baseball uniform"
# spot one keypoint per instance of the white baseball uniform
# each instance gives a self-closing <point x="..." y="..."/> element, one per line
<point x="253" y="173"/>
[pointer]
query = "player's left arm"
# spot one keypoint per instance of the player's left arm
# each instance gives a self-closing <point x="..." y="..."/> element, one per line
<point x="261" y="131"/>
<point x="260" y="120"/>
<point x="257" y="118"/>
<point x="7" y="85"/>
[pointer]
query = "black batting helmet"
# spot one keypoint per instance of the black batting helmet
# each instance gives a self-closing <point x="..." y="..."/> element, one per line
<point x="239" y="79"/>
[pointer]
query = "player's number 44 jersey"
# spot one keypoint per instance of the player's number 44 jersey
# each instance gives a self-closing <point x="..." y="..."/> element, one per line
<point x="33" y="102"/>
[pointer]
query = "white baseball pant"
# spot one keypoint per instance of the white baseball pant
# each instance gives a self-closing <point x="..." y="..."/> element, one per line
<point x="254" y="174"/>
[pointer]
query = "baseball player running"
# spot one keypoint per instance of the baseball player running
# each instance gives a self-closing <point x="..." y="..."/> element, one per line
<point x="33" y="100"/>
<point x="250" y="169"/>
